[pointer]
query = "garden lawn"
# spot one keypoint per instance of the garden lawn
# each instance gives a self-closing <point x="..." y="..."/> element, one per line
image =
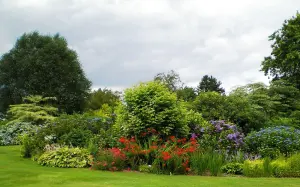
<point x="16" y="171"/>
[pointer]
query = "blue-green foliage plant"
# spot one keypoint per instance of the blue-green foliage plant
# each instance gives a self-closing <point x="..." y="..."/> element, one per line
<point x="273" y="141"/>
<point x="9" y="134"/>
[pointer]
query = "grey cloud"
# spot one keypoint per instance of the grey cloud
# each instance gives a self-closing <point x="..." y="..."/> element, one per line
<point x="120" y="43"/>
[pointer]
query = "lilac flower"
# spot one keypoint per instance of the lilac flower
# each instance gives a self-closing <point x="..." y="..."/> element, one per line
<point x="194" y="135"/>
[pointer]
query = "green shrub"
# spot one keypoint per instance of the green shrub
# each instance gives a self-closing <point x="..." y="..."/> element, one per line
<point x="75" y="130"/>
<point x="233" y="168"/>
<point x="66" y="158"/>
<point x="76" y="138"/>
<point x="151" y="105"/>
<point x="145" y="168"/>
<point x="9" y="134"/>
<point x="258" y="168"/>
<point x="272" y="141"/>
<point x="27" y="146"/>
<point x="207" y="163"/>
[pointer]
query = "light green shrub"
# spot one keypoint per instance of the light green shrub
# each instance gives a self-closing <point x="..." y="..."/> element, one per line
<point x="65" y="158"/>
<point x="258" y="168"/>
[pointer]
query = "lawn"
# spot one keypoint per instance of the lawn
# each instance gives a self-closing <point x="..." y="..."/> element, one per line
<point x="16" y="171"/>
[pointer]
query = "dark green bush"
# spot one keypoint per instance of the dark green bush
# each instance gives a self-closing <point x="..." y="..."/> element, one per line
<point x="65" y="158"/>
<point x="233" y="168"/>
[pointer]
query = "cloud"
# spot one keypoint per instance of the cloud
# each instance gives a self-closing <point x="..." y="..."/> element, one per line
<point x="123" y="42"/>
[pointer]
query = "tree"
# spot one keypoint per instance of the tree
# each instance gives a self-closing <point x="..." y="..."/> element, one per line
<point x="211" y="105"/>
<point x="151" y="105"/>
<point x="186" y="93"/>
<point x="284" y="61"/>
<point x="171" y="80"/>
<point x="43" y="65"/>
<point x="35" y="109"/>
<point x="210" y="84"/>
<point x="103" y="96"/>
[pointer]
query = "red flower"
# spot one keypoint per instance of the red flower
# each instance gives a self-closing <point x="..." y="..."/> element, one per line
<point x="122" y="140"/>
<point x="153" y="147"/>
<point x="132" y="139"/>
<point x="166" y="156"/>
<point x="173" y="138"/>
<point x="187" y="169"/>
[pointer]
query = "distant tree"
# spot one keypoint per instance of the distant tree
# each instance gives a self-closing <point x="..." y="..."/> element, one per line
<point x="211" y="105"/>
<point x="186" y="93"/>
<point x="102" y="96"/>
<point x="210" y="84"/>
<point x="284" y="61"/>
<point x="43" y="65"/>
<point x="171" y="80"/>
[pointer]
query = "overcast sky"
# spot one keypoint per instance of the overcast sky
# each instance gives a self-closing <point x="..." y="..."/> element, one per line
<point x="123" y="42"/>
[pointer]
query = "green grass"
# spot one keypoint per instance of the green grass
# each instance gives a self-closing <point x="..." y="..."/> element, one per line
<point x="16" y="171"/>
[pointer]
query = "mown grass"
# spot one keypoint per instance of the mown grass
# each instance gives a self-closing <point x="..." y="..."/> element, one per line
<point x="16" y="171"/>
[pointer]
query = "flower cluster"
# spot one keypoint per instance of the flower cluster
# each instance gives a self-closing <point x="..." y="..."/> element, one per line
<point x="171" y="155"/>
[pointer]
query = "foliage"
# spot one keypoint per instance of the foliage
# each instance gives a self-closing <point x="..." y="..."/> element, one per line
<point x="65" y="158"/>
<point x="9" y="134"/>
<point x="145" y="168"/>
<point x="210" y="84"/>
<point x="186" y="93"/>
<point x="220" y="135"/>
<point x="233" y="168"/>
<point x="272" y="141"/>
<point x="257" y="168"/>
<point x="27" y="147"/>
<point x="211" y="105"/>
<point x="171" y="80"/>
<point x="207" y="163"/>
<point x="283" y="63"/>
<point x="151" y="105"/>
<point x="36" y="110"/>
<point x="171" y="156"/>
<point x="103" y="96"/>
<point x="75" y="130"/>
<point x="43" y="64"/>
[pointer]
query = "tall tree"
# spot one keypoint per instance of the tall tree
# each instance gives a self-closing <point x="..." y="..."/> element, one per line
<point x="210" y="84"/>
<point x="186" y="93"/>
<point x="43" y="65"/>
<point x="171" y="80"/>
<point x="103" y="96"/>
<point x="284" y="61"/>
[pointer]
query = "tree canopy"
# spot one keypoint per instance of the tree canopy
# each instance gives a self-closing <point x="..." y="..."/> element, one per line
<point x="43" y="65"/>
<point x="210" y="84"/>
<point x="284" y="61"/>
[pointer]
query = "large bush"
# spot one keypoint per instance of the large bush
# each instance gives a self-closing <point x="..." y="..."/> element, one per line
<point x="73" y="130"/>
<point x="273" y="141"/>
<point x="151" y="105"/>
<point x="65" y="158"/>
<point x="9" y="134"/>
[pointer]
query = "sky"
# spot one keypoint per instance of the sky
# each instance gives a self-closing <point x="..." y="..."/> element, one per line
<point x="123" y="42"/>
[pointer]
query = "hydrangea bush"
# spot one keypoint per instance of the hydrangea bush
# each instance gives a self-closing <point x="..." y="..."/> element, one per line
<point x="272" y="141"/>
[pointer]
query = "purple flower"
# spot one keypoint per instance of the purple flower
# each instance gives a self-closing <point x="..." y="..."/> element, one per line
<point x="194" y="135"/>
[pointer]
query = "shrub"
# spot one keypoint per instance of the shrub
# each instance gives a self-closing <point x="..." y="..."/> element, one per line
<point x="220" y="135"/>
<point x="65" y="158"/>
<point x="233" y="168"/>
<point x="151" y="105"/>
<point x="27" y="147"/>
<point x="272" y="141"/>
<point x="145" y="168"/>
<point x="9" y="134"/>
<point x="76" y="137"/>
<point x="207" y="163"/>
<point x="75" y="130"/>
<point x="258" y="168"/>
